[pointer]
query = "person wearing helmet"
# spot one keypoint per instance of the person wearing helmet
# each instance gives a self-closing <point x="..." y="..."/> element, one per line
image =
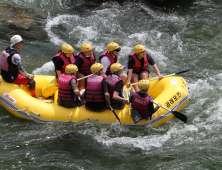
<point x="115" y="87"/>
<point x="68" y="88"/>
<point x="109" y="57"/>
<point x="96" y="94"/>
<point x="138" y="65"/>
<point x="84" y="60"/>
<point x="12" y="70"/>
<point x="143" y="102"/>
<point x="63" y="58"/>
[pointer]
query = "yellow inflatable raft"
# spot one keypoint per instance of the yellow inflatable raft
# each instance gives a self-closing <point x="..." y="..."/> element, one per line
<point x="171" y="92"/>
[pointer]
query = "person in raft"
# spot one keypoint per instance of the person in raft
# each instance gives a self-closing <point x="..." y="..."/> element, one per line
<point x="84" y="60"/>
<point x="96" y="94"/>
<point x="138" y="66"/>
<point x="68" y="88"/>
<point x="115" y="87"/>
<point x="109" y="57"/>
<point x="143" y="102"/>
<point x="12" y="70"/>
<point x="63" y="58"/>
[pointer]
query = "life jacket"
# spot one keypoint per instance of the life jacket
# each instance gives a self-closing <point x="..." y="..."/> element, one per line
<point x="112" y="60"/>
<point x="65" y="90"/>
<point x="94" y="91"/>
<point x="85" y="68"/>
<point x="6" y="61"/>
<point x="111" y="83"/>
<point x="137" y="68"/>
<point x="65" y="60"/>
<point x="140" y="104"/>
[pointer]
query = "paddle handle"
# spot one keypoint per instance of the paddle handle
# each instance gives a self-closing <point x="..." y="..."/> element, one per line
<point x="84" y="77"/>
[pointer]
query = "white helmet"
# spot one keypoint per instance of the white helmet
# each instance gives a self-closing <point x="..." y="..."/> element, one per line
<point x="16" y="39"/>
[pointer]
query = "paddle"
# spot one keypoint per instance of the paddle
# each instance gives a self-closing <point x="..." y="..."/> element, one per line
<point x="125" y="65"/>
<point x="84" y="77"/>
<point x="115" y="114"/>
<point x="134" y="114"/>
<point x="166" y="76"/>
<point x="178" y="115"/>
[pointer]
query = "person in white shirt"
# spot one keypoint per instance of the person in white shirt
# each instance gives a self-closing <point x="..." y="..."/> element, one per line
<point x="109" y="57"/>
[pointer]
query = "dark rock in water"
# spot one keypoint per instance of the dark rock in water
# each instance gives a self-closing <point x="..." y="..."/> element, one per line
<point x="15" y="17"/>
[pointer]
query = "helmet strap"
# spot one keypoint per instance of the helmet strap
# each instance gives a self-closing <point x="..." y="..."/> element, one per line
<point x="111" y="53"/>
<point x="144" y="90"/>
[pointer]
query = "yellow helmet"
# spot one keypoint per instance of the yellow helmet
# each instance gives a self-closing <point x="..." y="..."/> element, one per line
<point x="139" y="48"/>
<point x="71" y="68"/>
<point x="86" y="47"/>
<point x="144" y="84"/>
<point x="116" y="67"/>
<point x="112" y="46"/>
<point x="96" y="67"/>
<point x="66" y="48"/>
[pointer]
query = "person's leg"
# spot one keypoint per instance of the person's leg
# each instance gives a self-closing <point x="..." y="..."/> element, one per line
<point x="135" y="78"/>
<point x="81" y="82"/>
<point x="31" y="85"/>
<point x="144" y="75"/>
<point x="25" y="81"/>
<point x="21" y="80"/>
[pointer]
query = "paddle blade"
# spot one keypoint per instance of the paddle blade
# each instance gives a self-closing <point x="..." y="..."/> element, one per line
<point x="182" y="72"/>
<point x="125" y="65"/>
<point x="135" y="116"/>
<point x="180" y="116"/>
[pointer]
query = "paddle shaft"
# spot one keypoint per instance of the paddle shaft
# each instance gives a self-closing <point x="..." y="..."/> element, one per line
<point x="115" y="114"/>
<point x="163" y="107"/>
<point x="84" y="77"/>
<point x="125" y="98"/>
<point x="165" y="76"/>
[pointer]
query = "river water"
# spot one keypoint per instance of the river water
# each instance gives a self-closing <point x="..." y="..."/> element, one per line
<point x="178" y="35"/>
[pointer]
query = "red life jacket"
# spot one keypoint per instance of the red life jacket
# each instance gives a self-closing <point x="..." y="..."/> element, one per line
<point x="112" y="60"/>
<point x="111" y="83"/>
<point x="140" y="104"/>
<point x="85" y="68"/>
<point x="94" y="91"/>
<point x="65" y="59"/>
<point x="65" y="90"/>
<point x="137" y="68"/>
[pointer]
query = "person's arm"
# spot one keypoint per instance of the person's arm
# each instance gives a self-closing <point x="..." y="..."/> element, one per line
<point x="58" y="66"/>
<point x="58" y="72"/>
<point x="129" y="76"/>
<point x="155" y="68"/>
<point x="74" y="87"/>
<point x="117" y="91"/>
<point x="157" y="71"/>
<point x="131" y="62"/>
<point x="106" y="92"/>
<point x="151" y="107"/>
<point x="16" y="59"/>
